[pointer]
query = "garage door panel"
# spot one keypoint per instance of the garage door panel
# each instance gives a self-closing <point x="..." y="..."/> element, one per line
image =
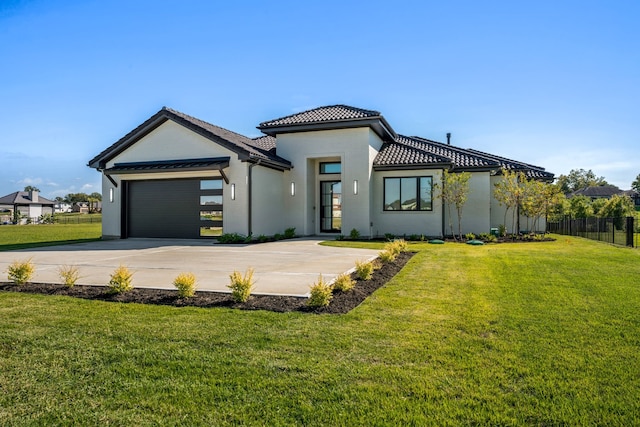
<point x="164" y="208"/>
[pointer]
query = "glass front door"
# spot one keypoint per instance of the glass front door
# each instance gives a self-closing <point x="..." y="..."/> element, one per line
<point x="330" y="206"/>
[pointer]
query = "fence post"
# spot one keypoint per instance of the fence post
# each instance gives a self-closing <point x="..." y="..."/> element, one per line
<point x="630" y="230"/>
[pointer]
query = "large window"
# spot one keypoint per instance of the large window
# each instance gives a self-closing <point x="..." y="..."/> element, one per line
<point x="330" y="167"/>
<point x="408" y="193"/>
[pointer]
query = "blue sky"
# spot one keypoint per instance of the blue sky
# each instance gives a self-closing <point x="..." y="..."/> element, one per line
<point x="553" y="83"/>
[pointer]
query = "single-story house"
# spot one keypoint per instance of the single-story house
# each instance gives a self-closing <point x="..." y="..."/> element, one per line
<point x="605" y="192"/>
<point x="62" y="207"/>
<point x="29" y="205"/>
<point x="325" y="171"/>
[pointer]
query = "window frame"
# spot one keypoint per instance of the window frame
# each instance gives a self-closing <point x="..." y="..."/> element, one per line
<point x="418" y="179"/>
<point x="322" y="164"/>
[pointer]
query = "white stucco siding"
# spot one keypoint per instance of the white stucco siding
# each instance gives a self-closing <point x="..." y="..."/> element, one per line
<point x="353" y="148"/>
<point x="476" y="213"/>
<point x="267" y="206"/>
<point x="400" y="223"/>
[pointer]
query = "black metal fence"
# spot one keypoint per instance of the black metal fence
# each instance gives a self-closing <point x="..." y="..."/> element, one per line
<point x="618" y="231"/>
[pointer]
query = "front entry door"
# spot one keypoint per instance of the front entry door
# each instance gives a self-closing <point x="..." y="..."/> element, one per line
<point x="330" y="206"/>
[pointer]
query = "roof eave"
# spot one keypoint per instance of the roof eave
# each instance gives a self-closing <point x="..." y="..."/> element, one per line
<point x="378" y="124"/>
<point x="412" y="166"/>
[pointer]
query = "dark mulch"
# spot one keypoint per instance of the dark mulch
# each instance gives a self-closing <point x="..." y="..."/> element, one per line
<point x="341" y="303"/>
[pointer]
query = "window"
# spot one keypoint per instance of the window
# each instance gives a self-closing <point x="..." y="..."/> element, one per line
<point x="211" y="184"/>
<point x="330" y="167"/>
<point x="210" y="200"/>
<point x="408" y="193"/>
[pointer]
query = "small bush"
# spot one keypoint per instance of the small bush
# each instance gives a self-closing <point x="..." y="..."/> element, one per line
<point x="241" y="286"/>
<point x="389" y="236"/>
<point x="340" y="237"/>
<point x="278" y="236"/>
<point x="121" y="280"/>
<point x="364" y="270"/>
<point x="344" y="283"/>
<point x="321" y="294"/>
<point x="20" y="272"/>
<point x="290" y="233"/>
<point x="262" y="238"/>
<point x="69" y="275"/>
<point x="248" y="239"/>
<point x="491" y="238"/>
<point x="502" y="230"/>
<point x="470" y="236"/>
<point x="397" y="246"/>
<point x="414" y="237"/>
<point x="387" y="256"/>
<point x="231" y="238"/>
<point x="354" y="234"/>
<point x="186" y="284"/>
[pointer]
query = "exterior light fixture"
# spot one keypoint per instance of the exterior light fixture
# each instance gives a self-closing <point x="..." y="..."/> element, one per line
<point x="355" y="186"/>
<point x="293" y="188"/>
<point x="233" y="191"/>
<point x="111" y="195"/>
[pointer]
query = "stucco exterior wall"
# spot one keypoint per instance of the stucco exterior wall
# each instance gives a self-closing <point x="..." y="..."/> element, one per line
<point x="267" y="195"/>
<point x="355" y="149"/>
<point x="476" y="213"/>
<point x="400" y="223"/>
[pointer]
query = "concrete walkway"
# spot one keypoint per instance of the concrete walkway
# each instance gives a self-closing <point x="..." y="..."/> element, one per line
<point x="286" y="267"/>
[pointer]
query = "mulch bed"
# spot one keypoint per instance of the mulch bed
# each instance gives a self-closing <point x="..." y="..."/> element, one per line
<point x="341" y="303"/>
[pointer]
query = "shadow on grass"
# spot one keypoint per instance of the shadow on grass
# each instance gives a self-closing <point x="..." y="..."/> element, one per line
<point x="16" y="246"/>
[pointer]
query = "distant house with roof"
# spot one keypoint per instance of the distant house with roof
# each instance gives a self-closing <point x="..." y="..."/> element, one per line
<point x="605" y="192"/>
<point x="23" y="206"/>
<point x="324" y="171"/>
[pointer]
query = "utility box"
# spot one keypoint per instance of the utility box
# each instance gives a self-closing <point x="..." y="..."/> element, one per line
<point x="494" y="232"/>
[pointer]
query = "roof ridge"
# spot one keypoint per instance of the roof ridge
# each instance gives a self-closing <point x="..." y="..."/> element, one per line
<point x="366" y="114"/>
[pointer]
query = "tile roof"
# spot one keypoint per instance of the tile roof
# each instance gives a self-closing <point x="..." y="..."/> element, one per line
<point x="329" y="113"/>
<point x="23" y="198"/>
<point x="404" y="152"/>
<point x="461" y="158"/>
<point x="597" y="191"/>
<point x="265" y="142"/>
<point x="530" y="171"/>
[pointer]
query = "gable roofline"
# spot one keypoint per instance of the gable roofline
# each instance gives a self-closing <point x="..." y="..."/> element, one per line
<point x="232" y="141"/>
<point x="330" y="117"/>
<point x="22" y="198"/>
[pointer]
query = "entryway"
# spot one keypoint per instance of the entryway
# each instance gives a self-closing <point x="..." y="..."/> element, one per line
<point x="330" y="206"/>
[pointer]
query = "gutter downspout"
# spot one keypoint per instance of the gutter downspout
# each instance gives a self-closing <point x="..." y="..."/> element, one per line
<point x="249" y="195"/>
<point x="443" y="210"/>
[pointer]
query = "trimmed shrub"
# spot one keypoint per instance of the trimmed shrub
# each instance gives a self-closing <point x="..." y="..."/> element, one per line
<point x="387" y="255"/>
<point x="69" y="275"/>
<point x="121" y="280"/>
<point x="241" y="286"/>
<point x="344" y="283"/>
<point x="20" y="272"/>
<point x="470" y="236"/>
<point x="186" y="284"/>
<point x="364" y="270"/>
<point x="354" y="234"/>
<point x="389" y="236"/>
<point x="290" y="233"/>
<point x="321" y="294"/>
<point x="231" y="238"/>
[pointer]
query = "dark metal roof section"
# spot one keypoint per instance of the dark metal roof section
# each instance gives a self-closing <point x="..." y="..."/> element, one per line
<point x="235" y="142"/>
<point x="217" y="163"/>
<point x="24" y="198"/>
<point x="404" y="154"/>
<point x="330" y="117"/>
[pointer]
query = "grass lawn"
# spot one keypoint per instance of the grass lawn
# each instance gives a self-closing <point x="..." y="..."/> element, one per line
<point x="510" y="334"/>
<point x="36" y="235"/>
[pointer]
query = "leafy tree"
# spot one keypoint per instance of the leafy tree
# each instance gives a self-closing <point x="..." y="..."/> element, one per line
<point x="454" y="191"/>
<point x="635" y="185"/>
<point x="96" y="195"/>
<point x="59" y="199"/>
<point x="579" y="179"/>
<point x="510" y="192"/>
<point x="76" y="198"/>
<point x="618" y="207"/>
<point x="31" y="188"/>
<point x="597" y="206"/>
<point x="580" y="207"/>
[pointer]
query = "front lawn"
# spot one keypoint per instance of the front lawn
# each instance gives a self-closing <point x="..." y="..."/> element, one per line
<point x="37" y="235"/>
<point x="509" y="334"/>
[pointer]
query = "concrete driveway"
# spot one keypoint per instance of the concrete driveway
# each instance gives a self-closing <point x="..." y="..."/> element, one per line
<point x="286" y="267"/>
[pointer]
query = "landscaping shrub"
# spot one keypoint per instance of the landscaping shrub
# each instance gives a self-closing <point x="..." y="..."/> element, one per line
<point x="290" y="233"/>
<point x="321" y="294"/>
<point x="354" y="234"/>
<point x="241" y="286"/>
<point x="387" y="255"/>
<point x="231" y="238"/>
<point x="364" y="270"/>
<point x="278" y="236"/>
<point x="262" y="238"/>
<point x="470" y="236"/>
<point x="69" y="275"/>
<point x="121" y="280"/>
<point x="186" y="284"/>
<point x="248" y="239"/>
<point x="389" y="236"/>
<point x="20" y="272"/>
<point x="397" y="246"/>
<point x="344" y="283"/>
<point x="502" y="230"/>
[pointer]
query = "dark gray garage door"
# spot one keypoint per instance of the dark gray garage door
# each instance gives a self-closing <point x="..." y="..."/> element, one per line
<point x="170" y="208"/>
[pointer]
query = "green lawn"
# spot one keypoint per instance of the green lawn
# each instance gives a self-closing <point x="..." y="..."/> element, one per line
<point x="511" y="334"/>
<point x="36" y="235"/>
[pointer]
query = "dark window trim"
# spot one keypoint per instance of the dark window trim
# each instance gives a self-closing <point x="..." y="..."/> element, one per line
<point x="330" y="163"/>
<point x="418" y="200"/>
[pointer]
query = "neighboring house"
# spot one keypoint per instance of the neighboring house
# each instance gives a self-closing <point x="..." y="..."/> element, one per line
<point x="63" y="207"/>
<point x="29" y="205"/>
<point x="80" y="207"/>
<point x="324" y="171"/>
<point x="605" y="192"/>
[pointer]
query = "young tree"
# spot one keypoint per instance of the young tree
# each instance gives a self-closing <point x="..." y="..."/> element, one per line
<point x="454" y="191"/>
<point x="580" y="207"/>
<point x="618" y="207"/>
<point x="509" y="192"/>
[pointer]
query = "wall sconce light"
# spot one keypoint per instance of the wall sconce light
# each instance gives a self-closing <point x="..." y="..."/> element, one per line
<point x="233" y="191"/>
<point x="111" y="195"/>
<point x="355" y="186"/>
<point x="293" y="188"/>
